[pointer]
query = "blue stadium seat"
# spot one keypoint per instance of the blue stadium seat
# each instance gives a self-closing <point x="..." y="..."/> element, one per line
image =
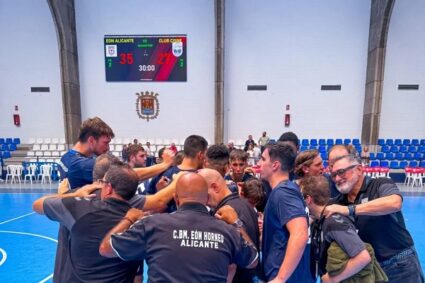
<point x="12" y="147"/>
<point x="403" y="164"/>
<point x="394" y="165"/>
<point x="322" y="148"/>
<point x="399" y="156"/>
<point x="330" y="142"/>
<point x="389" y="156"/>
<point x="422" y="164"/>
<point x="415" y="142"/>
<point x="4" y="147"/>
<point x="384" y="163"/>
<point x="303" y="147"/>
<point x="313" y="147"/>
<point x="324" y="155"/>
<point x="2" y="141"/>
<point x="372" y="155"/>
<point x="406" y="142"/>
<point x="413" y="164"/>
<point x="417" y="156"/>
<point x="304" y="142"/>
<point x="347" y="141"/>
<point x="389" y="142"/>
<point x="398" y="142"/>
<point x="385" y="149"/>
<point x="338" y="141"/>
<point x="394" y="149"/>
<point x="322" y="142"/>
<point x="356" y="142"/>
<point x="380" y="156"/>
<point x="17" y="141"/>
<point x="374" y="163"/>
<point x="413" y="149"/>
<point x="313" y="142"/>
<point x="381" y="142"/>
<point x="422" y="149"/>
<point x="6" y="154"/>
<point x="408" y="156"/>
<point x="422" y="142"/>
<point x="403" y="149"/>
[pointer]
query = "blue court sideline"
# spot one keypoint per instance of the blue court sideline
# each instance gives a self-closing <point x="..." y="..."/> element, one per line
<point x="28" y="240"/>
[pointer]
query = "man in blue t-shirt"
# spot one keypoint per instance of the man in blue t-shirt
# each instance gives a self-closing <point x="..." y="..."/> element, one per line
<point x="285" y="230"/>
<point x="93" y="139"/>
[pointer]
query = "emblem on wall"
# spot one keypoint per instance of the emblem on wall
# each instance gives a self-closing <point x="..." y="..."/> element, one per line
<point x="147" y="105"/>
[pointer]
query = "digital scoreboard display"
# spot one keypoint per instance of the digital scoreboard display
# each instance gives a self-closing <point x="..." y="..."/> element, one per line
<point x="145" y="58"/>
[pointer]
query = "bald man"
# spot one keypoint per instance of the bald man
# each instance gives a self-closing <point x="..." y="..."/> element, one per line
<point x="219" y="196"/>
<point x="189" y="245"/>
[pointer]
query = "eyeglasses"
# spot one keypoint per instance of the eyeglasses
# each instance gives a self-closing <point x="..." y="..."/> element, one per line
<point x="341" y="172"/>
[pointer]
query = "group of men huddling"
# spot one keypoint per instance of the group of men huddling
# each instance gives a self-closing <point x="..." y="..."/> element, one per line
<point x="206" y="217"/>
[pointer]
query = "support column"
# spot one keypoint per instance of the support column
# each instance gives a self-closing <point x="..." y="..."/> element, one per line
<point x="378" y="31"/>
<point x="219" y="72"/>
<point x="63" y="13"/>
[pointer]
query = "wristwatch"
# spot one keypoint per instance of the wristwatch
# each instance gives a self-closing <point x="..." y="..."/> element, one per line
<point x="238" y="223"/>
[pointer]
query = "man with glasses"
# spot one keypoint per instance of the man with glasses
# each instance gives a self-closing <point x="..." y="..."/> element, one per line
<point x="375" y="204"/>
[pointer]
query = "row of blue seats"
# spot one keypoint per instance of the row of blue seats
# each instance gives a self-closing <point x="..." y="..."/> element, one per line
<point x="8" y="147"/>
<point x="329" y="142"/>
<point x="397" y="164"/>
<point x="402" y="148"/>
<point x="400" y="142"/>
<point x="397" y="156"/>
<point x="325" y="148"/>
<point x="10" y="141"/>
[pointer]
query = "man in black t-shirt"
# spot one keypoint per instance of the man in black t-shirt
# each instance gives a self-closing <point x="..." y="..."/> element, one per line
<point x="220" y="195"/>
<point x="338" y="228"/>
<point x="376" y="206"/>
<point x="189" y="245"/>
<point x="88" y="220"/>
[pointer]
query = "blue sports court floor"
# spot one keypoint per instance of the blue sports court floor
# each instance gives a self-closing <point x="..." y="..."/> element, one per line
<point x="28" y="240"/>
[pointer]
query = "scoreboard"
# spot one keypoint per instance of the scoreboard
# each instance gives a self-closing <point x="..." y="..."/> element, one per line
<point x="145" y="58"/>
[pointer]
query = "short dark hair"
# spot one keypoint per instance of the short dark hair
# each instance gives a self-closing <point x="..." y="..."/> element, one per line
<point x="284" y="153"/>
<point x="304" y="158"/>
<point x="194" y="144"/>
<point x="160" y="152"/>
<point x="96" y="128"/>
<point x="218" y="157"/>
<point x="291" y="137"/>
<point x="123" y="179"/>
<point x="317" y="187"/>
<point x="133" y="149"/>
<point x="178" y="158"/>
<point x="239" y="154"/>
<point x="252" y="190"/>
<point x="102" y="164"/>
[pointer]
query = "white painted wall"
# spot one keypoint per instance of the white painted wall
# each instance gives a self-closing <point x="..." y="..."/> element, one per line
<point x="29" y="57"/>
<point x="291" y="46"/>
<point x="403" y="111"/>
<point x="294" y="47"/>
<point x="185" y="108"/>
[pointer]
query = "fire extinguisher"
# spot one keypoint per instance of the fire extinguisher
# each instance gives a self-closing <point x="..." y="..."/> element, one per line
<point x="287" y="120"/>
<point x="16" y="120"/>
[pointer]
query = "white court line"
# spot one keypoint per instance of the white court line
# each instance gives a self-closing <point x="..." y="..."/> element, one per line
<point x="35" y="235"/>
<point x="46" y="279"/>
<point x="16" y="218"/>
<point x="3" y="257"/>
